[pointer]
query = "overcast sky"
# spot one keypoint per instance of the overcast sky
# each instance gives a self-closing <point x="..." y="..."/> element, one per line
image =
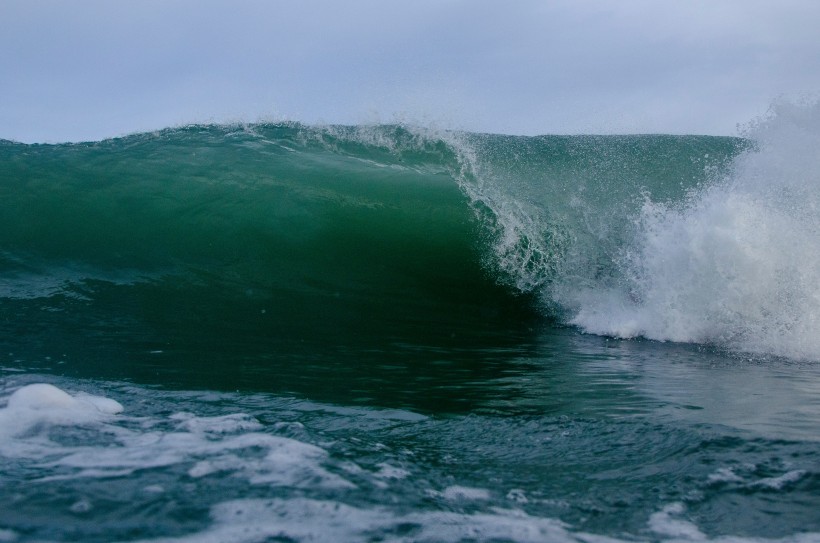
<point x="88" y="69"/>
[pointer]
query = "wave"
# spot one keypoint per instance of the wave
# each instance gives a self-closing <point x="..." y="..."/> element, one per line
<point x="682" y="238"/>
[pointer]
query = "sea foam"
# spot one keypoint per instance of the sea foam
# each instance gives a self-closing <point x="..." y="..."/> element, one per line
<point x="737" y="265"/>
<point x="42" y="403"/>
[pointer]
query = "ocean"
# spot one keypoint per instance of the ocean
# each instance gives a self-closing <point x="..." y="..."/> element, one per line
<point x="282" y="332"/>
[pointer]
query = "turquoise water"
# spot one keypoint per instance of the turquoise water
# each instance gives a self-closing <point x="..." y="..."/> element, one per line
<point x="389" y="333"/>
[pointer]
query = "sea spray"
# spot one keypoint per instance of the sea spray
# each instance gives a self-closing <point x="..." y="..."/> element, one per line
<point x="737" y="263"/>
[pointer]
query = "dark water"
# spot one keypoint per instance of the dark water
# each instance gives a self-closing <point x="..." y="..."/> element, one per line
<point x="288" y="333"/>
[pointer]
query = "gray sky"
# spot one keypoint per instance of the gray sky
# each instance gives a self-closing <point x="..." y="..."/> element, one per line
<point x="88" y="69"/>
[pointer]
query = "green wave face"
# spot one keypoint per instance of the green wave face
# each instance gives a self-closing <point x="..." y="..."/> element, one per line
<point x="227" y="242"/>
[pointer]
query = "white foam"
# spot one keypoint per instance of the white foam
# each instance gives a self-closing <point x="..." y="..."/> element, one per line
<point x="518" y="495"/>
<point x="386" y="471"/>
<point x="103" y="405"/>
<point x="40" y="396"/>
<point x="727" y="475"/>
<point x="226" y="424"/>
<point x="238" y="446"/>
<point x="724" y="475"/>
<point x="302" y="519"/>
<point x="778" y="483"/>
<point x="456" y="492"/>
<point x="278" y="461"/>
<point x="42" y="403"/>
<point x="44" y="397"/>
<point x="205" y="446"/>
<point x="738" y="265"/>
<point x="665" y="523"/>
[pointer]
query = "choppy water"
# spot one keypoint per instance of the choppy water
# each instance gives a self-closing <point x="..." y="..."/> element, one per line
<point x="291" y="333"/>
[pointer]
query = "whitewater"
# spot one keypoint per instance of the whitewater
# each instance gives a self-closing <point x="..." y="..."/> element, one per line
<point x="282" y="332"/>
<point x="736" y="263"/>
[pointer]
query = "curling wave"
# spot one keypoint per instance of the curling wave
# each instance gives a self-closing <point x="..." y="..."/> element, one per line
<point x="385" y="228"/>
